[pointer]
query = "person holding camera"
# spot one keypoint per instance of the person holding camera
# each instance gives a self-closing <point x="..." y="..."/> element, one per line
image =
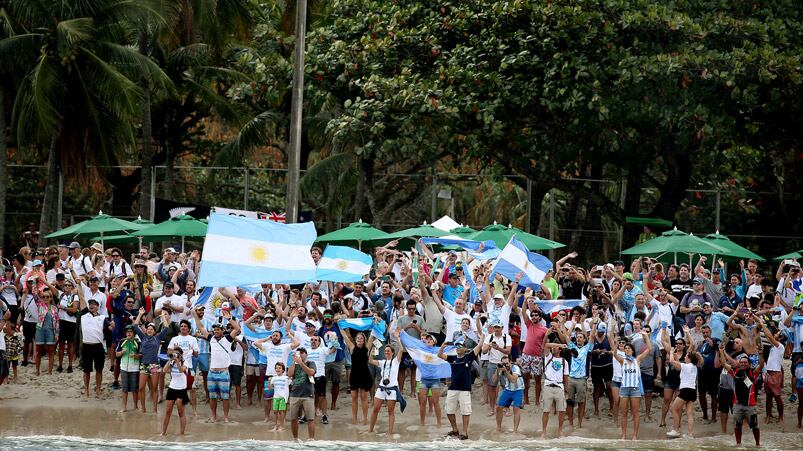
<point x="513" y="393"/>
<point x="413" y="324"/>
<point x="302" y="393"/>
<point x="189" y="349"/>
<point x="497" y="345"/>
<point x="177" y="390"/>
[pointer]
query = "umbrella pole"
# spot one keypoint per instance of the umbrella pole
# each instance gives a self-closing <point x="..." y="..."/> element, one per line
<point x="359" y="245"/>
<point x="182" y="244"/>
<point x="101" y="241"/>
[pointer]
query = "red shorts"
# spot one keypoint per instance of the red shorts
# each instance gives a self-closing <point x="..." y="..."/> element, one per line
<point x="190" y="380"/>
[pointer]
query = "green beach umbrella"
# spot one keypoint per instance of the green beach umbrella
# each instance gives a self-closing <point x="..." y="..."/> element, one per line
<point x="796" y="254"/>
<point x="355" y="234"/>
<point x="117" y="239"/>
<point x="501" y="235"/>
<point x="424" y="230"/>
<point x="676" y="242"/>
<point x="463" y="232"/>
<point x="99" y="225"/>
<point x="735" y="252"/>
<point x="183" y="226"/>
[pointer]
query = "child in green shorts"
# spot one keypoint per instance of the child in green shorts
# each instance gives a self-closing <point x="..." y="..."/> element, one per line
<point x="280" y="384"/>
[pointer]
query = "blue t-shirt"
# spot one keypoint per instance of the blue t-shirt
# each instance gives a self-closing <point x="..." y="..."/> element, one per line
<point x="579" y="367"/>
<point x="461" y="371"/>
<point x="451" y="294"/>
<point x="340" y="354"/>
<point x="717" y="322"/>
<point x="519" y="384"/>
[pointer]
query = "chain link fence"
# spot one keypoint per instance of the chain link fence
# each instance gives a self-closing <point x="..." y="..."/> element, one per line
<point x="751" y="219"/>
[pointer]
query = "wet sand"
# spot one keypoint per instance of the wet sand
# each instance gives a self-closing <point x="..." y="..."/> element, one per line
<point x="52" y="405"/>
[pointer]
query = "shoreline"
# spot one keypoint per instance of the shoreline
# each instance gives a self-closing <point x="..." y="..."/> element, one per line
<point x="37" y="408"/>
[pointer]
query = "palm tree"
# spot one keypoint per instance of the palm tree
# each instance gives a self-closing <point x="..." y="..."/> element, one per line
<point x="79" y="93"/>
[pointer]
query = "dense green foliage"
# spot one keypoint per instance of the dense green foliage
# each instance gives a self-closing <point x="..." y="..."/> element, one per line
<point x="660" y="97"/>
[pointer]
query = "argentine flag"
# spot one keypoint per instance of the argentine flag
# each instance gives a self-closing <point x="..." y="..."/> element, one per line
<point x="515" y="258"/>
<point x="426" y="357"/>
<point x="243" y="251"/>
<point x="364" y="324"/>
<point x="343" y="264"/>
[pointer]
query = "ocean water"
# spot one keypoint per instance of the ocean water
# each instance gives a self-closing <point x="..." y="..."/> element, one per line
<point x="771" y="441"/>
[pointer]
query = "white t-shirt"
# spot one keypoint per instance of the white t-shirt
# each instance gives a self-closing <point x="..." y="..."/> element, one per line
<point x="188" y="345"/>
<point x="92" y="328"/>
<point x="318" y="356"/>
<point x="281" y="386"/>
<point x="98" y="296"/>
<point x="498" y="313"/>
<point x="178" y="380"/>
<point x="275" y="354"/>
<point x="65" y="301"/>
<point x="453" y="321"/>
<point x="554" y="370"/>
<point x="688" y="375"/>
<point x="123" y="268"/>
<point x="236" y="355"/>
<point x="775" y="359"/>
<point x="80" y="265"/>
<point x="502" y="341"/>
<point x="9" y="294"/>
<point x="389" y="369"/>
<point x="220" y="352"/>
<point x="177" y="304"/>
<point x="29" y="304"/>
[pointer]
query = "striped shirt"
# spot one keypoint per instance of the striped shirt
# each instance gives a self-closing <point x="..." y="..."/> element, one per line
<point x="631" y="374"/>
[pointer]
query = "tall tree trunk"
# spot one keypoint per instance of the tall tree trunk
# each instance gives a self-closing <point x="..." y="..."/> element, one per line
<point x="51" y="186"/>
<point x="146" y="155"/>
<point x="3" y="167"/>
<point x="170" y="176"/>
<point x="673" y="191"/>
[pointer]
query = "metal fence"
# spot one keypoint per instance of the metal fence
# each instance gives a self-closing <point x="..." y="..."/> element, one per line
<point x="475" y="200"/>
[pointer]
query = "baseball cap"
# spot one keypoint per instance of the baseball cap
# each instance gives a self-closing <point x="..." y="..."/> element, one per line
<point x="75" y="245"/>
<point x="37" y="262"/>
<point x="618" y="263"/>
<point x="94" y="279"/>
<point x="171" y="250"/>
<point x="129" y="327"/>
<point x="169" y="284"/>
<point x="93" y="301"/>
<point x="697" y="281"/>
<point x="61" y="276"/>
<point x="459" y="344"/>
<point x="499" y="296"/>
<point x="309" y="324"/>
<point x="496" y="323"/>
<point x="627" y="276"/>
<point x="602" y="327"/>
<point x="62" y="245"/>
<point x="453" y="276"/>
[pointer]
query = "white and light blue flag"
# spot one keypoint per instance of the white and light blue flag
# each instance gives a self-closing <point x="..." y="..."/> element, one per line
<point x="516" y="258"/>
<point x="377" y="329"/>
<point x="243" y="251"/>
<point x="343" y="264"/>
<point x="426" y="357"/>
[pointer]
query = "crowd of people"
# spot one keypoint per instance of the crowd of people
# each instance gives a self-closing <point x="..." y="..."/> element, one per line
<point x="585" y="339"/>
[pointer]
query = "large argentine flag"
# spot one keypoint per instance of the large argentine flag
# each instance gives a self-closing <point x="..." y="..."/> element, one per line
<point x="343" y="264"/>
<point x="515" y="258"/>
<point x="426" y="357"/>
<point x="244" y="251"/>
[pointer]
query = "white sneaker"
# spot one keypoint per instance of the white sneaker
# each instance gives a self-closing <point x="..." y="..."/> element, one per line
<point x="673" y="433"/>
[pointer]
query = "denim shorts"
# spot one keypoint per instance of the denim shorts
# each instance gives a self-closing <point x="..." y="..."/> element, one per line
<point x="431" y="383"/>
<point x="630" y="392"/>
<point x="45" y="337"/>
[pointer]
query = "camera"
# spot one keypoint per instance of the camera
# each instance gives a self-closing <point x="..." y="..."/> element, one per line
<point x="385" y="382"/>
<point x="173" y="355"/>
<point x="415" y="321"/>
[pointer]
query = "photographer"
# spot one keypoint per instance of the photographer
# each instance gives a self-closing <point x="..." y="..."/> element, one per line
<point x="413" y="324"/>
<point x="177" y="390"/>
<point x="302" y="393"/>
<point x="512" y="394"/>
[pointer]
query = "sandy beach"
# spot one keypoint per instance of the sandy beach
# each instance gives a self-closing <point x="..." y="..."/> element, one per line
<point x="51" y="405"/>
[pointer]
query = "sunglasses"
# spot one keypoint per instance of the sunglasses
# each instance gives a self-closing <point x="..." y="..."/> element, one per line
<point x="116" y="255"/>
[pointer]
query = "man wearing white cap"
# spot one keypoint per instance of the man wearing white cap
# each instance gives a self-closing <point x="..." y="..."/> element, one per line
<point x="497" y="344"/>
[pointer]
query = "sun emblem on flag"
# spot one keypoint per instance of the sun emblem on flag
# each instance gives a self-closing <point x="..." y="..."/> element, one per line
<point x="526" y="264"/>
<point x="428" y="358"/>
<point x="342" y="265"/>
<point x="259" y="254"/>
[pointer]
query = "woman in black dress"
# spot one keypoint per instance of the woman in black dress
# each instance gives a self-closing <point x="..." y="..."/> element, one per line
<point x="360" y="380"/>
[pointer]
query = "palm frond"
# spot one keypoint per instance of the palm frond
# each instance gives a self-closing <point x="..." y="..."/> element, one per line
<point x="17" y="52"/>
<point x="136" y="65"/>
<point x="71" y="33"/>
<point x="259" y="131"/>
<point x="221" y="105"/>
<point x="120" y="94"/>
<point x="328" y="168"/>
